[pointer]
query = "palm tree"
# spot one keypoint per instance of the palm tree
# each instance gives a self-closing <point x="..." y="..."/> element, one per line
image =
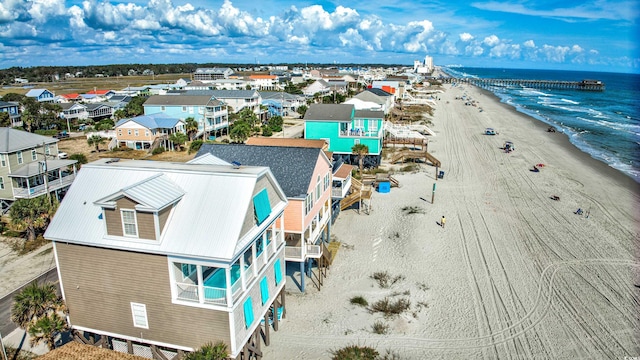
<point x="191" y="126"/>
<point x="361" y="150"/>
<point x="32" y="214"/>
<point x="209" y="352"/>
<point x="36" y="309"/>
<point x="96" y="140"/>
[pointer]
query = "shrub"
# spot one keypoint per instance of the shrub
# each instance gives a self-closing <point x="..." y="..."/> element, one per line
<point x="410" y="168"/>
<point x="385" y="280"/>
<point x="355" y="352"/>
<point x="412" y="210"/>
<point x="158" y="150"/>
<point x="195" y="146"/>
<point x="266" y="131"/>
<point x="122" y="148"/>
<point x="380" y="328"/>
<point x="359" y="300"/>
<point x="391" y="308"/>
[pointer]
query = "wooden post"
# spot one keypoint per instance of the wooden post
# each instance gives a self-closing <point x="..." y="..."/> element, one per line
<point x="436" y="172"/>
<point x="433" y="193"/>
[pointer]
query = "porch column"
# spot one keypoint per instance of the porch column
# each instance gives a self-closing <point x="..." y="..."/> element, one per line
<point x="302" y="276"/>
<point x="229" y="291"/>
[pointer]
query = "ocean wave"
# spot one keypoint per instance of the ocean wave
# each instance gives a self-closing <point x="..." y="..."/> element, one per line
<point x="570" y="101"/>
<point x="530" y="91"/>
<point x="633" y="129"/>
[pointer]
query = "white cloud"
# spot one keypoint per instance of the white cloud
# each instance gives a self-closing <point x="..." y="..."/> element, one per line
<point x="466" y="37"/>
<point x="42" y="10"/>
<point x="554" y="54"/>
<point x="529" y="44"/>
<point x="492" y="40"/>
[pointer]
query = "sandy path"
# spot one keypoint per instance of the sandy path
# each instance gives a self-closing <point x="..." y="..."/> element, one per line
<point x="514" y="274"/>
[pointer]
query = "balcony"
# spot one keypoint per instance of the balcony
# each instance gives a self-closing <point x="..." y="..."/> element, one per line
<point x="37" y="190"/>
<point x="299" y="253"/>
<point x="360" y="133"/>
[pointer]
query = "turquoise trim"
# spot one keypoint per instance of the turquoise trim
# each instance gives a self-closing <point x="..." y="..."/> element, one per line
<point x="248" y="312"/>
<point x="261" y="205"/>
<point x="264" y="290"/>
<point x="278" y="271"/>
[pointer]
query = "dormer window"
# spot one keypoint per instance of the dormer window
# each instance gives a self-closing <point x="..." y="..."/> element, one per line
<point x="129" y="223"/>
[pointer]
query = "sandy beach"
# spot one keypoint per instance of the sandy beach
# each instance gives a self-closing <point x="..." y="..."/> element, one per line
<point x="514" y="274"/>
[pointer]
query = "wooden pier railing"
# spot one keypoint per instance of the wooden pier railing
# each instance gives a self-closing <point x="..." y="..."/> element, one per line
<point x="586" y="85"/>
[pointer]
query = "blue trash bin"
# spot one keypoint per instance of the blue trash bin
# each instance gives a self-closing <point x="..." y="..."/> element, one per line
<point x="384" y="187"/>
<point x="441" y="175"/>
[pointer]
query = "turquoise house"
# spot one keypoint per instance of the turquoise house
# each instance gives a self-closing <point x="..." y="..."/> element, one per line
<point x="342" y="127"/>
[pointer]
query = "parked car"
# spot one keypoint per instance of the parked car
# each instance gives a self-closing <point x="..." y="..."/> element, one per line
<point x="62" y="155"/>
<point x="489" y="131"/>
<point x="61" y="135"/>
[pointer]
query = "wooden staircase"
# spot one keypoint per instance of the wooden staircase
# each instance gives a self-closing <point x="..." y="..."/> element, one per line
<point x="411" y="154"/>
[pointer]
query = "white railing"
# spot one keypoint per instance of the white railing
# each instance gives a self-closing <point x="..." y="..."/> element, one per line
<point x="260" y="261"/>
<point x="187" y="292"/>
<point x="314" y="251"/>
<point x="293" y="253"/>
<point x="215" y="295"/>
<point x="41" y="189"/>
<point x="248" y="274"/>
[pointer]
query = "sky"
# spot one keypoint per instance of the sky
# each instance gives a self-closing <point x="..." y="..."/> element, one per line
<point x="598" y="35"/>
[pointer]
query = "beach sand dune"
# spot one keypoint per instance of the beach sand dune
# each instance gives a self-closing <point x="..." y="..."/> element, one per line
<point x="514" y="274"/>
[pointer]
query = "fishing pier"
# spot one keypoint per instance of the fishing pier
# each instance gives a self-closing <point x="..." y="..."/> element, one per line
<point x="585" y="85"/>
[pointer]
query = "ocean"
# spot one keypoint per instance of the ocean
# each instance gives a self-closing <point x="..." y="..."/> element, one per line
<point x="606" y="125"/>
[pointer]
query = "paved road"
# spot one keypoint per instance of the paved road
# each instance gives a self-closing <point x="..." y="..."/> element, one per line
<point x="6" y="326"/>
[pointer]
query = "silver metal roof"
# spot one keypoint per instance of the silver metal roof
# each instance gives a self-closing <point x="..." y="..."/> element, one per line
<point x="152" y="194"/>
<point x="12" y="140"/>
<point x="208" y="159"/>
<point x="33" y="168"/>
<point x="205" y="223"/>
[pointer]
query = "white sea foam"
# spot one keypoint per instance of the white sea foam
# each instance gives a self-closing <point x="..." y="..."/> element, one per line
<point x="570" y="101"/>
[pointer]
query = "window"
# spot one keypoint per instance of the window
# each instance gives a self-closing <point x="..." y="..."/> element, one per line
<point x="261" y="206"/>
<point x="184" y="109"/>
<point x="146" y="133"/>
<point x="19" y="155"/>
<point x="358" y="124"/>
<point x="129" y="225"/>
<point x="135" y="132"/>
<point x="356" y="141"/>
<point x="3" y="160"/>
<point x="326" y="181"/>
<point x="277" y="271"/>
<point x="129" y="132"/>
<point x="162" y="108"/>
<point x="34" y="155"/>
<point x="318" y="191"/>
<point x="1" y="183"/>
<point x="139" y="312"/>
<point x="308" y="203"/>
<point x="120" y="132"/>
<point x="248" y="312"/>
<point x="188" y="270"/>
<point x="373" y="126"/>
<point x="264" y="290"/>
<point x="47" y="150"/>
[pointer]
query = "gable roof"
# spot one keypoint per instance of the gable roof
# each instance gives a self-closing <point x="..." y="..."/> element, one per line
<point x="329" y="112"/>
<point x="270" y="141"/>
<point x="206" y="223"/>
<point x="379" y="92"/>
<point x="12" y="140"/>
<point x="180" y="100"/>
<point x="7" y="104"/>
<point x="292" y="166"/>
<point x="234" y="94"/>
<point x="152" y="194"/>
<point x="371" y="97"/>
<point x="36" y="92"/>
<point x="153" y="121"/>
<point x="99" y="92"/>
<point x="71" y="96"/>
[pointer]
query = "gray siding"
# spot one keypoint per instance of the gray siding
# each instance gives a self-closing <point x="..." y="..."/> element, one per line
<point x="249" y="218"/>
<point x="163" y="216"/>
<point x="100" y="284"/>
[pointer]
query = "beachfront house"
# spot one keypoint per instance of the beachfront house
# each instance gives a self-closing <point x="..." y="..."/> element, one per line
<point x="240" y="99"/>
<point x="166" y="257"/>
<point x="210" y="114"/>
<point x="74" y="111"/>
<point x="147" y="132"/>
<point x="25" y="158"/>
<point x="305" y="177"/>
<point x="11" y="108"/>
<point x="342" y="127"/>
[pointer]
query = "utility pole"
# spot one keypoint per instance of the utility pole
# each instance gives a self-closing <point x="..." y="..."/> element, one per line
<point x="43" y="165"/>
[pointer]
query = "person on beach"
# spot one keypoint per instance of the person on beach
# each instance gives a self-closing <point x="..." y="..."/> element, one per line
<point x="443" y="221"/>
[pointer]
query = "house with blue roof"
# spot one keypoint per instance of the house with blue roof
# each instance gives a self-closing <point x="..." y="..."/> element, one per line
<point x="146" y="132"/>
<point x="41" y="95"/>
<point x="210" y="114"/>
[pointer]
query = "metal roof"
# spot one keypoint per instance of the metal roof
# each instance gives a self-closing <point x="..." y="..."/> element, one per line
<point x="12" y="140"/>
<point x="369" y="114"/>
<point x="372" y="97"/>
<point x="208" y="159"/>
<point x="197" y="100"/>
<point x="329" y="112"/>
<point x="153" y="121"/>
<point x="33" y="168"/>
<point x="234" y="94"/>
<point x="152" y="194"/>
<point x="292" y="166"/>
<point x="206" y="223"/>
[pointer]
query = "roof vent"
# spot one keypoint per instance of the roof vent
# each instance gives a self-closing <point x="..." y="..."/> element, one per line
<point x="236" y="165"/>
<point x="113" y="160"/>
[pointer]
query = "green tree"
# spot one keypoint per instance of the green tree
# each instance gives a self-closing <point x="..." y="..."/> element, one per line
<point x="209" y="351"/>
<point x="191" y="127"/>
<point x="96" y="140"/>
<point x="5" y="119"/>
<point x="247" y="115"/>
<point x="32" y="214"/>
<point x="36" y="309"/>
<point x="120" y="114"/>
<point x="361" y="150"/>
<point x="134" y="107"/>
<point x="80" y="158"/>
<point x="275" y="123"/>
<point x="13" y="97"/>
<point x="302" y="110"/>
<point x="178" y="139"/>
<point x="240" y="131"/>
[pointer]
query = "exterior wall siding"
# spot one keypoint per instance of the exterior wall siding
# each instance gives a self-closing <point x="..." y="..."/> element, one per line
<point x="293" y="216"/>
<point x="100" y="284"/>
<point x="321" y="169"/>
<point x="146" y="221"/>
<point x="163" y="216"/>
<point x="342" y="145"/>
<point x="146" y="225"/>
<point x="249" y="218"/>
<point x="113" y="221"/>
<point x="123" y="134"/>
